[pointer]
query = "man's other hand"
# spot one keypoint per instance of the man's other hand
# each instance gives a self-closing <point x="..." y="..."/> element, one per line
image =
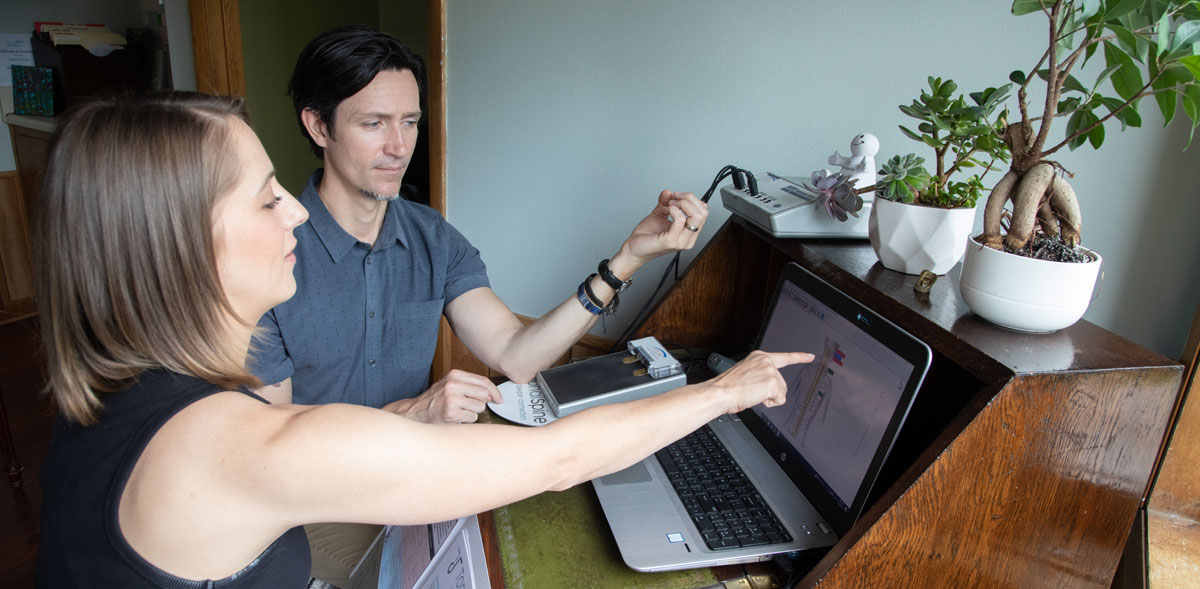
<point x="459" y="397"/>
<point x="672" y="226"/>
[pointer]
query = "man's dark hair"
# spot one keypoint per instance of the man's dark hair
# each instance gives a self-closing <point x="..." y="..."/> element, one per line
<point x="341" y="61"/>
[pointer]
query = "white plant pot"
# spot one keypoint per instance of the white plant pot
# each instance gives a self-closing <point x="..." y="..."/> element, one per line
<point x="911" y="238"/>
<point x="1025" y="294"/>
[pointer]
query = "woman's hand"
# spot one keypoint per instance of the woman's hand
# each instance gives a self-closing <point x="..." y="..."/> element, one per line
<point x="756" y="379"/>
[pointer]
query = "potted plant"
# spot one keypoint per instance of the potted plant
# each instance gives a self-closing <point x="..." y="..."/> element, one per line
<point x="1035" y="276"/>
<point x="921" y="220"/>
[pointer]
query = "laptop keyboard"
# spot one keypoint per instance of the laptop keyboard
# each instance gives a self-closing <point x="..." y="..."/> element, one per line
<point x="722" y="502"/>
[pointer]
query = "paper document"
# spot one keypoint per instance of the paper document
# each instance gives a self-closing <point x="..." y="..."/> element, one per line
<point x="14" y="50"/>
<point x="445" y="555"/>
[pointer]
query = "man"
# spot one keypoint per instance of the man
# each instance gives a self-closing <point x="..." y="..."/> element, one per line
<point x="375" y="273"/>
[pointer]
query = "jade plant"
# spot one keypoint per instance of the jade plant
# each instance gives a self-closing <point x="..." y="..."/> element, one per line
<point x="1150" y="49"/>
<point x="963" y="137"/>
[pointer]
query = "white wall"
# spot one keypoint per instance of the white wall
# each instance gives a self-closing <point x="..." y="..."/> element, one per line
<point x="567" y="118"/>
<point x="179" y="43"/>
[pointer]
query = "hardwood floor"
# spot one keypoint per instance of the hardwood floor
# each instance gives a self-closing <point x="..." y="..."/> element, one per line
<point x="31" y="417"/>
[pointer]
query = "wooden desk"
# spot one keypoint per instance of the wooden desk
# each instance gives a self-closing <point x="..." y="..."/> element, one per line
<point x="1024" y="458"/>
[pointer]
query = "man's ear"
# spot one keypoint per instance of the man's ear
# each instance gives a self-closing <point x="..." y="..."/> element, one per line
<point x="317" y="129"/>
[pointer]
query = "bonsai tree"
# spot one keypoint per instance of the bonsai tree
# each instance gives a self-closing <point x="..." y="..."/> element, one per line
<point x="1151" y="48"/>
<point x="961" y="135"/>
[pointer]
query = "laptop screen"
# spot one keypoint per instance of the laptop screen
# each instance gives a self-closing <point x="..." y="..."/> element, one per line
<point x="844" y="409"/>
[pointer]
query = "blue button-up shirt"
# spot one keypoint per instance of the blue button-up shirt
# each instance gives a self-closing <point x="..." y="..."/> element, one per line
<point x="362" y="326"/>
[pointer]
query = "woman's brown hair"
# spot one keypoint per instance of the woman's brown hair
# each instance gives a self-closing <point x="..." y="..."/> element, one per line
<point x="126" y="271"/>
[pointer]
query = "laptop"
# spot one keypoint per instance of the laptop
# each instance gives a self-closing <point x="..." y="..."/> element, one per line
<point x="812" y="460"/>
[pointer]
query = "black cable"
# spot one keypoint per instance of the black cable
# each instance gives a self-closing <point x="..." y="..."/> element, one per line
<point x="688" y="358"/>
<point x="673" y="265"/>
<point x="785" y="562"/>
<point x="751" y="184"/>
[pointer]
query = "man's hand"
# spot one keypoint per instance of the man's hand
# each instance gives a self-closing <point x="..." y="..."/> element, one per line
<point x="459" y="397"/>
<point x="672" y="226"/>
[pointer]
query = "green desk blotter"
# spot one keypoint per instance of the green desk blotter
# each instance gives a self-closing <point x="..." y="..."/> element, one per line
<point x="560" y="539"/>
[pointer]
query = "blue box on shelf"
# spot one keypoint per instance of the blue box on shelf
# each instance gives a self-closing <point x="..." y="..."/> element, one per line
<point x="33" y="90"/>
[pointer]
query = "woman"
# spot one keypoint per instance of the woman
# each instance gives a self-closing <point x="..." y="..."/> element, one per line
<point x="163" y="237"/>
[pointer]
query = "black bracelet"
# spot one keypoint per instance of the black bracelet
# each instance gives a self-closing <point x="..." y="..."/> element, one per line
<point x="608" y="309"/>
<point x="611" y="279"/>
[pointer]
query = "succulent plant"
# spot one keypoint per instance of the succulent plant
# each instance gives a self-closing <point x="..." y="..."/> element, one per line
<point x="902" y="178"/>
<point x="836" y="193"/>
<point x="962" y="136"/>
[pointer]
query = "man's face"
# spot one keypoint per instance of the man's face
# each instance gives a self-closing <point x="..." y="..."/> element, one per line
<point x="373" y="136"/>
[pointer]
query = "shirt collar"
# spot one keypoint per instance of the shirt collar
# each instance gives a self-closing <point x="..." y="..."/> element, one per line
<point x="337" y="241"/>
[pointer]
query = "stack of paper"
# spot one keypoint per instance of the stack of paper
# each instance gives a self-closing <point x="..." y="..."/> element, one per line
<point x="97" y="39"/>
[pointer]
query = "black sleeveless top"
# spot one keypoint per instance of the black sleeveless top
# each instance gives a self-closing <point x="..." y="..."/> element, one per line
<point x="82" y="481"/>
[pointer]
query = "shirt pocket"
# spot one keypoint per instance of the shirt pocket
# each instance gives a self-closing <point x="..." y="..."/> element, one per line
<point x="415" y="329"/>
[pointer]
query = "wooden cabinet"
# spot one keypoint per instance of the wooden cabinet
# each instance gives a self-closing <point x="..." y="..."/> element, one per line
<point x="18" y="192"/>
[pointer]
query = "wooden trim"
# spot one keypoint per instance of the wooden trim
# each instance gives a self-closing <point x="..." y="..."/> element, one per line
<point x="443" y="356"/>
<point x="17" y="199"/>
<point x="1168" y="540"/>
<point x="17" y="290"/>
<point x="217" y="47"/>
<point x="15" y="267"/>
<point x="1175" y="489"/>
<point x="491" y="550"/>
<point x="436" y="75"/>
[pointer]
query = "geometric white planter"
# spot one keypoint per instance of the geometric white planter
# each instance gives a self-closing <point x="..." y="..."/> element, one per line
<point x="1025" y="294"/>
<point x="910" y="238"/>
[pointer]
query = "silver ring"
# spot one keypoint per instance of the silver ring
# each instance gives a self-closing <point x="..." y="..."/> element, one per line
<point x="692" y="229"/>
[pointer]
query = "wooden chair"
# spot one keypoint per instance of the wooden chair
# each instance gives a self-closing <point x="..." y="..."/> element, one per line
<point x="7" y="450"/>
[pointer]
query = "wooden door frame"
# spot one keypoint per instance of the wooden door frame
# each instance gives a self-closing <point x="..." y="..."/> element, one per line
<point x="217" y="51"/>
<point x="436" y="103"/>
<point x="443" y="358"/>
<point x="217" y="47"/>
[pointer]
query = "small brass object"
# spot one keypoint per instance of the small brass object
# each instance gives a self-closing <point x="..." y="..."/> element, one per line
<point x="641" y="372"/>
<point x="629" y="360"/>
<point x="925" y="281"/>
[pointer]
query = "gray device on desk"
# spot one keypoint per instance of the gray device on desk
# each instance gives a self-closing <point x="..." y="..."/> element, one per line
<point x="813" y="459"/>
<point x="647" y="369"/>
<point x="783" y="210"/>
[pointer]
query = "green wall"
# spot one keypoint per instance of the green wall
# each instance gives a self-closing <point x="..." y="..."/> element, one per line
<point x="408" y="20"/>
<point x="273" y="33"/>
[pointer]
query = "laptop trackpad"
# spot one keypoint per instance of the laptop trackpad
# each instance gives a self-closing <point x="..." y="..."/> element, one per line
<point x="634" y="474"/>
